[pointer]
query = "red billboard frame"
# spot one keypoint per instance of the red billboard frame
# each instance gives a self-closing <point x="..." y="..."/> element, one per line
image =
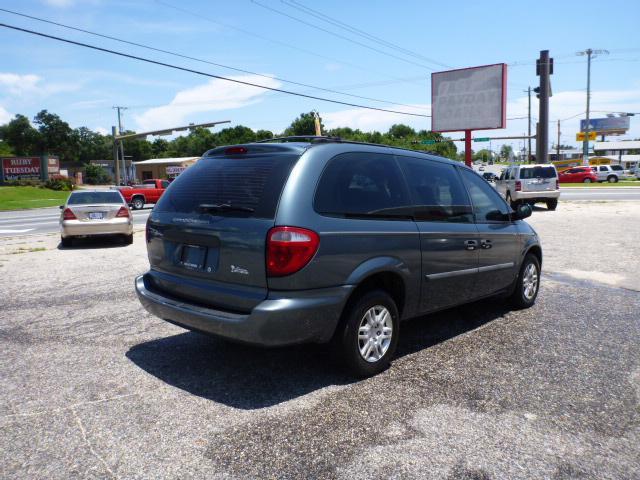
<point x="29" y="163"/>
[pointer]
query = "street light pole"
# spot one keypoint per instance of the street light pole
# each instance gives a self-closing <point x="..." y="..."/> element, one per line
<point x="585" y="144"/>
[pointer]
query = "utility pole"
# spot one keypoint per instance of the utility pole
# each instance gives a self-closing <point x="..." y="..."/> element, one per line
<point x="585" y="144"/>
<point x="543" y="69"/>
<point x="121" y="145"/>
<point x="115" y="155"/>
<point x="558" y="143"/>
<point x="529" y="132"/>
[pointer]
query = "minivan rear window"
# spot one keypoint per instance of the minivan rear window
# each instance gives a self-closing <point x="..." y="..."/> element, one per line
<point x="537" y="172"/>
<point x="239" y="186"/>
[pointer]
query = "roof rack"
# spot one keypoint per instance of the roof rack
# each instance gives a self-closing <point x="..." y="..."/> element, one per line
<point x="302" y="138"/>
<point x="326" y="139"/>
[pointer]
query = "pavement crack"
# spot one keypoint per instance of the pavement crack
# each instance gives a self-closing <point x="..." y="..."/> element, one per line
<point x="89" y="446"/>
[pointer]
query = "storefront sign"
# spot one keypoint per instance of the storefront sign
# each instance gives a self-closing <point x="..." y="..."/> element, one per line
<point x="21" y="168"/>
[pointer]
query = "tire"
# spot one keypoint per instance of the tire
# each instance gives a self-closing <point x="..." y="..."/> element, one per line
<point x="511" y="203"/>
<point x="137" y="203"/>
<point x="552" y="204"/>
<point x="370" y="316"/>
<point x="586" y="180"/>
<point x="128" y="239"/>
<point x="612" y="179"/>
<point x="66" y="241"/>
<point x="527" y="283"/>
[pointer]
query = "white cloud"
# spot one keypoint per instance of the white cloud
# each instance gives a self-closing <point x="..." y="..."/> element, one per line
<point x="212" y="96"/>
<point x="5" y="116"/>
<point x="31" y="85"/>
<point x="102" y="131"/>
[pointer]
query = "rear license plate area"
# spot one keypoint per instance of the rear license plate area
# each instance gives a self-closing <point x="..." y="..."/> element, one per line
<point x="96" y="215"/>
<point x="197" y="257"/>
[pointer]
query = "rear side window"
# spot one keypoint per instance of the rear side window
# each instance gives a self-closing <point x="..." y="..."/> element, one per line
<point x="616" y="167"/>
<point x="537" y="172"/>
<point x="92" y="198"/>
<point x="247" y="186"/>
<point x="436" y="190"/>
<point x="362" y="184"/>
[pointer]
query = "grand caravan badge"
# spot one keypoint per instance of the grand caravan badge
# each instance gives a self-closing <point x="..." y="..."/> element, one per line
<point x="240" y="270"/>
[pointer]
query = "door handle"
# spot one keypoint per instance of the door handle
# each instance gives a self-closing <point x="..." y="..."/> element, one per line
<point x="485" y="244"/>
<point x="470" y="244"/>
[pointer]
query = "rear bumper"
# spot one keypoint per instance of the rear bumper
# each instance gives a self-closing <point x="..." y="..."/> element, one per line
<point x="117" y="226"/>
<point x="283" y="318"/>
<point x="542" y="195"/>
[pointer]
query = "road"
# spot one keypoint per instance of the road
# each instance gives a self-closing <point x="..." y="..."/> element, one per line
<point x="597" y="193"/>
<point x="92" y="386"/>
<point x="45" y="220"/>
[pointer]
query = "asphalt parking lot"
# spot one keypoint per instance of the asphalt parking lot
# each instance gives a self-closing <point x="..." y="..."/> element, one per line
<point x="91" y="386"/>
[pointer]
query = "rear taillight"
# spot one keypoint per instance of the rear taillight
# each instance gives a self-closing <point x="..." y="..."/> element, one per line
<point x="557" y="184"/>
<point x="123" y="212"/>
<point x="518" y="186"/>
<point x="68" y="215"/>
<point x="289" y="249"/>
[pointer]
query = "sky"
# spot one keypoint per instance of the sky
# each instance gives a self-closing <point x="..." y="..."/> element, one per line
<point x="382" y="50"/>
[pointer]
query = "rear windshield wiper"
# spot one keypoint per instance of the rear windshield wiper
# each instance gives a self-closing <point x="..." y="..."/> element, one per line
<point x="223" y="207"/>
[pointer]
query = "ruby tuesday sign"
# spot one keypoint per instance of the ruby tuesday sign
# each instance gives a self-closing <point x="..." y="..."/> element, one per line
<point x="21" y="167"/>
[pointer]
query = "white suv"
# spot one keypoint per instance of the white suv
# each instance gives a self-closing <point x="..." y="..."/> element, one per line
<point x="609" y="173"/>
<point x="530" y="184"/>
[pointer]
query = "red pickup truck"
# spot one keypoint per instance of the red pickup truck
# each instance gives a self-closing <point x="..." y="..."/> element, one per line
<point x="149" y="192"/>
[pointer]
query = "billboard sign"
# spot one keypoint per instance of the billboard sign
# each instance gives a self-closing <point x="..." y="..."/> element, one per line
<point x="469" y="98"/>
<point x="606" y="126"/>
<point x="53" y="166"/>
<point x="16" y="168"/>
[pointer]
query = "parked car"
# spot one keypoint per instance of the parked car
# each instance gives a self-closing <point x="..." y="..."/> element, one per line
<point x="481" y="168"/>
<point x="489" y="177"/>
<point x="320" y="240"/>
<point x="577" y="175"/>
<point x="531" y="184"/>
<point x="89" y="213"/>
<point x="609" y="173"/>
<point x="149" y="191"/>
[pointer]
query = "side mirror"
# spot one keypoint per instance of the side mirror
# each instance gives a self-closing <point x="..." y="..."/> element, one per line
<point x="523" y="210"/>
<point x="61" y="207"/>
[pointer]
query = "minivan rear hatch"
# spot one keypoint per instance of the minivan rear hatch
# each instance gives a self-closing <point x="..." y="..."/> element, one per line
<point x="538" y="178"/>
<point x="206" y="236"/>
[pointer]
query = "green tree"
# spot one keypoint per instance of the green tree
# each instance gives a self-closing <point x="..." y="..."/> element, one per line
<point x="56" y="135"/>
<point x="95" y="174"/>
<point x="401" y="131"/>
<point x="303" y="125"/>
<point x="506" y="152"/>
<point x="20" y="136"/>
<point x="91" y="145"/>
<point x="264" y="135"/>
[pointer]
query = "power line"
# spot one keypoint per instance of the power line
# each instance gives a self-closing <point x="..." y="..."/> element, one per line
<point x="356" y="31"/>
<point x="180" y="55"/>
<point x="280" y="12"/>
<point x="199" y="16"/>
<point x="197" y="72"/>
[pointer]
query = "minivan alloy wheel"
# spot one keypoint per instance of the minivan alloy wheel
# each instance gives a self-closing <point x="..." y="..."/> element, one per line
<point x="530" y="281"/>
<point x="375" y="333"/>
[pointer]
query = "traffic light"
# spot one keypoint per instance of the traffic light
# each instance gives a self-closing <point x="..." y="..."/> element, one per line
<point x="537" y="90"/>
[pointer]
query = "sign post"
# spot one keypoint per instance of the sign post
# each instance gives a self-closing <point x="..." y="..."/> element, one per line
<point x="469" y="99"/>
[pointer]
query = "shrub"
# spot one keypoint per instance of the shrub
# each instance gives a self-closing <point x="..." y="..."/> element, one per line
<point x="95" y="174"/>
<point x="25" y="182"/>
<point x="57" y="182"/>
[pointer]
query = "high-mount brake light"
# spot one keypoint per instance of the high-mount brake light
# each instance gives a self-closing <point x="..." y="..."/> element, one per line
<point x="289" y="249"/>
<point x="235" y="150"/>
<point x="68" y="214"/>
<point x="123" y="212"/>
